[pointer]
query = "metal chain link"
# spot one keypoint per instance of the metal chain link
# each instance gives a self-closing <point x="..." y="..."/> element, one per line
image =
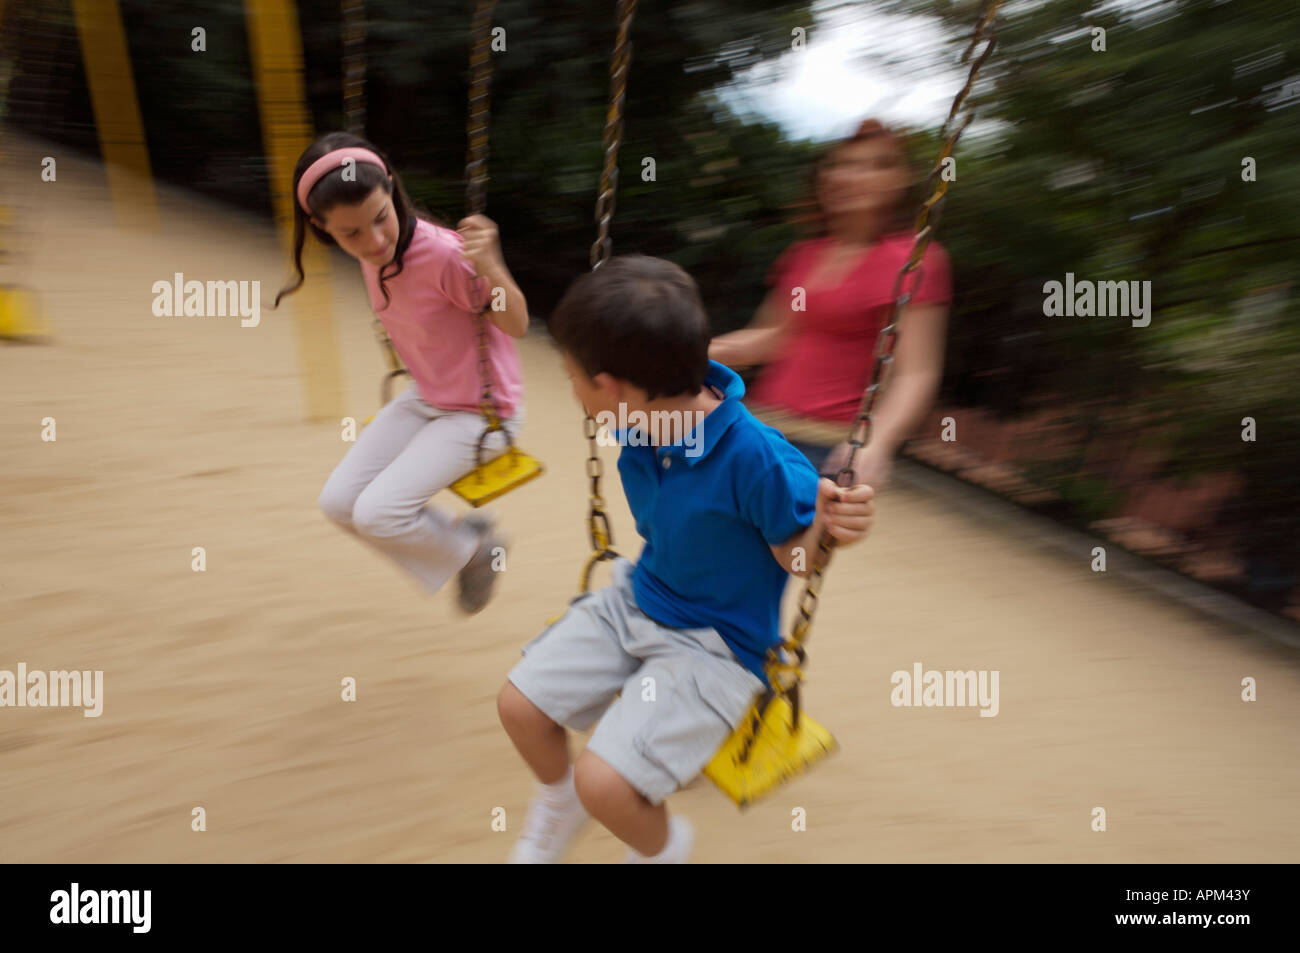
<point x="395" y="368"/>
<point x="354" y="67"/>
<point x="476" y="177"/>
<point x="476" y="181"/>
<point x="620" y="60"/>
<point x="618" y="69"/>
<point x="480" y="60"/>
<point x="784" y="665"/>
<point x="354" y="120"/>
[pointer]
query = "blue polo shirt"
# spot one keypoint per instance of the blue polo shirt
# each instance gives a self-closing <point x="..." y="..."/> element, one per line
<point x="708" y="507"/>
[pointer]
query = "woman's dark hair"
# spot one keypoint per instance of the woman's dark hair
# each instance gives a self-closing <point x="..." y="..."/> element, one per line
<point x="333" y="190"/>
<point x="639" y="319"/>
<point x="904" y="211"/>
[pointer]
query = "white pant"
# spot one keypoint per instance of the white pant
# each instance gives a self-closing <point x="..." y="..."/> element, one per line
<point x="409" y="452"/>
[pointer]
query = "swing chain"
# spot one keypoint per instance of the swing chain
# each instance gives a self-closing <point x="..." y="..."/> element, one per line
<point x="394" y="362"/>
<point x="354" y="67"/>
<point x="618" y="68"/>
<point x="598" y="528"/>
<point x="597" y="521"/>
<point x="354" y="120"/>
<point x="395" y="367"/>
<point x="927" y="220"/>
<point x="783" y="675"/>
<point x="487" y="406"/>
<point x="479" y="93"/>
<point x="476" y="178"/>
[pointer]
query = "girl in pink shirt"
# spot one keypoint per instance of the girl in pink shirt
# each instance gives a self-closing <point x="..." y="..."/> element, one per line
<point x="830" y="296"/>
<point x="427" y="284"/>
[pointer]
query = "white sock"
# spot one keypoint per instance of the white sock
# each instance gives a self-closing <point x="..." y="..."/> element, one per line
<point x="674" y="835"/>
<point x="562" y="791"/>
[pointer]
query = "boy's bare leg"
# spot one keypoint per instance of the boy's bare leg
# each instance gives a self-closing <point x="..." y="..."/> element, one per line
<point x="541" y="742"/>
<point x="619" y="806"/>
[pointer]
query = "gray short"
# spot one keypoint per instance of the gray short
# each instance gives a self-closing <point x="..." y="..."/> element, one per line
<point x="604" y="644"/>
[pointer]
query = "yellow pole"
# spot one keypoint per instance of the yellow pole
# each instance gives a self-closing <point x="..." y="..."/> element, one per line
<point x="117" y="113"/>
<point x="277" y="63"/>
<point x="286" y="131"/>
<point x="20" y="316"/>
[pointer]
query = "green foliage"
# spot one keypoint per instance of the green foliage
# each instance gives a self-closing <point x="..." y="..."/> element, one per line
<point x="717" y="203"/>
<point x="1117" y="165"/>
<point x="1127" y="165"/>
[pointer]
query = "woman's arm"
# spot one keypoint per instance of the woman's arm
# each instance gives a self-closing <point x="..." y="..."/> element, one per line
<point x="914" y="380"/>
<point x="913" y="385"/>
<point x="756" y="343"/>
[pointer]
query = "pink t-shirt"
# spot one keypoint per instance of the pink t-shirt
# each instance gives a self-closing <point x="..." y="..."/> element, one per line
<point x="826" y="361"/>
<point x="430" y="320"/>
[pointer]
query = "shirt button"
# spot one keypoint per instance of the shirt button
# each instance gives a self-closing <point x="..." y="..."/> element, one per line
<point x="668" y="461"/>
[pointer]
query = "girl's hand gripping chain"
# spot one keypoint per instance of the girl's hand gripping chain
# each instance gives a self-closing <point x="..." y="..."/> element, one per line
<point x="482" y="247"/>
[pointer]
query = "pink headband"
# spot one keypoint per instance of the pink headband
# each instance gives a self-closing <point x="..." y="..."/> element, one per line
<point x="327" y="163"/>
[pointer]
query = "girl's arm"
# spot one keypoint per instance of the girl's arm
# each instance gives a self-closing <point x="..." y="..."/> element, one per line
<point x="514" y="319"/>
<point x="481" y="246"/>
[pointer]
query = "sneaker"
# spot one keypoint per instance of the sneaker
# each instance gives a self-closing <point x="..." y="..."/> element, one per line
<point x="477" y="579"/>
<point x="549" y="829"/>
<point x="681" y="838"/>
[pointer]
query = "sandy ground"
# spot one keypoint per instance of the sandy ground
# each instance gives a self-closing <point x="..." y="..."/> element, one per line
<point x="222" y="688"/>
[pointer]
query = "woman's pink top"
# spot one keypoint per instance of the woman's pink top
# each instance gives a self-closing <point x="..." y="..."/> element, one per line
<point x="825" y="363"/>
<point x="431" y="320"/>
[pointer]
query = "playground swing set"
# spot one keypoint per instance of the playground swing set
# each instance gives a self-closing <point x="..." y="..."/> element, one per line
<point x="777" y="740"/>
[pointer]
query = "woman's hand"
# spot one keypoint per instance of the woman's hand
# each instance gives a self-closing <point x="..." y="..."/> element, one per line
<point x="481" y="247"/>
<point x="755" y="344"/>
<point x="872" y="465"/>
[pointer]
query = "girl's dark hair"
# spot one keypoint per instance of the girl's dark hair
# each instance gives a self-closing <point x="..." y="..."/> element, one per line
<point x="639" y="319"/>
<point x="333" y="190"/>
<point x="814" y="217"/>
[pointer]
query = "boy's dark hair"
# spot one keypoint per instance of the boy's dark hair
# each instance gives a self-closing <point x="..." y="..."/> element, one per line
<point x="639" y="319"/>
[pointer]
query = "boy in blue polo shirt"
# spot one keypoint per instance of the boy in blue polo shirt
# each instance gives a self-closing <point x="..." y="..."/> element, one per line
<point x="727" y="508"/>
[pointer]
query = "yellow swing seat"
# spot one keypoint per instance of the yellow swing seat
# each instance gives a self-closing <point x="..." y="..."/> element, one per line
<point x="486" y="481"/>
<point x="20" y="318"/>
<point x="499" y="476"/>
<point x="777" y="753"/>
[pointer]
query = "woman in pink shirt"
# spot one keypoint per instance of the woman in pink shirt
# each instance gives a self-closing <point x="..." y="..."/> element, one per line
<point x="816" y="330"/>
<point x="426" y="283"/>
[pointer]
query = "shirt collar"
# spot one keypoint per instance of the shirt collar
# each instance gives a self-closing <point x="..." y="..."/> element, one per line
<point x="697" y="444"/>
